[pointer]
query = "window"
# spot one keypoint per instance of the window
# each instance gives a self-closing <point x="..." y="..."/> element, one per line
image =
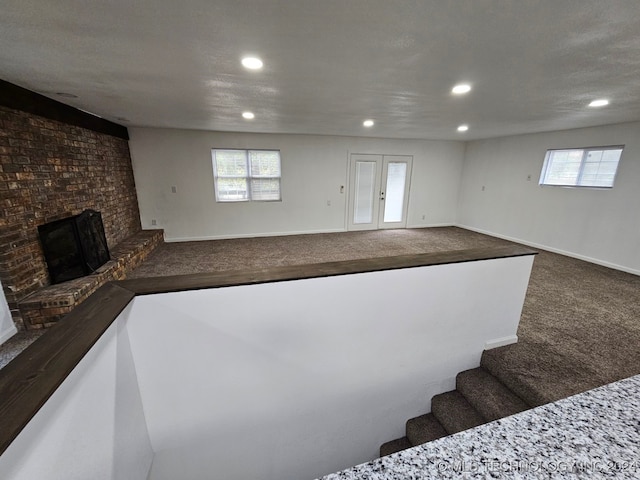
<point x="246" y="175"/>
<point x="581" y="167"/>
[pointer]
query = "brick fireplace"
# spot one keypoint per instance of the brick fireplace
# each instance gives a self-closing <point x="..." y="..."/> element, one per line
<point x="51" y="169"/>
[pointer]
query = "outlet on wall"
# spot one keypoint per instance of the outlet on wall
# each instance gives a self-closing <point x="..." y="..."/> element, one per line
<point x="153" y="221"/>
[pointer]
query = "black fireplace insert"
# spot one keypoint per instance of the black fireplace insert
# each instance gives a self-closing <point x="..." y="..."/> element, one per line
<point x="74" y="246"/>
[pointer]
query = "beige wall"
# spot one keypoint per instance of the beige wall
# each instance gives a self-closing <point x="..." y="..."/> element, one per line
<point x="599" y="225"/>
<point x="313" y="169"/>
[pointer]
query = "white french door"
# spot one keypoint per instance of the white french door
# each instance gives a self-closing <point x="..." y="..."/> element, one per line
<point x="378" y="191"/>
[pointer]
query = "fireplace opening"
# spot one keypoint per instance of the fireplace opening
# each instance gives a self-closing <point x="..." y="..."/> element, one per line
<point x="74" y="246"/>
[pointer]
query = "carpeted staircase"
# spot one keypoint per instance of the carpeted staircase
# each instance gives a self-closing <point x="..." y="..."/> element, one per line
<point x="481" y="396"/>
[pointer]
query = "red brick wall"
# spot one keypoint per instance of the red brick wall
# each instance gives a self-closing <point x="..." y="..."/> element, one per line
<point x="51" y="170"/>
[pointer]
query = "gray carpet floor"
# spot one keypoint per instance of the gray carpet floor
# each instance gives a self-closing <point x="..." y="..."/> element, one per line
<point x="247" y="253"/>
<point x="580" y="326"/>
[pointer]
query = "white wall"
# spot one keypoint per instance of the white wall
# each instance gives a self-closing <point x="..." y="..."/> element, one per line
<point x="7" y="327"/>
<point x="93" y="425"/>
<point x="599" y="225"/>
<point x="313" y="169"/>
<point x="299" y="379"/>
<point x="281" y="380"/>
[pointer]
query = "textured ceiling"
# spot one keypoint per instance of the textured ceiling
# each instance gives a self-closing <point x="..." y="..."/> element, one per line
<point x="330" y="64"/>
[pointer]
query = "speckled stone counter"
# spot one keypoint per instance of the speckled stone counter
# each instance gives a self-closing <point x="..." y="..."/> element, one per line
<point x="595" y="434"/>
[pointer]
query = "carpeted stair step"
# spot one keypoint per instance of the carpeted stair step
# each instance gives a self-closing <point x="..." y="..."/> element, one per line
<point x="394" y="446"/>
<point x="454" y="412"/>
<point x="488" y="395"/>
<point x="540" y="373"/>
<point x="423" y="429"/>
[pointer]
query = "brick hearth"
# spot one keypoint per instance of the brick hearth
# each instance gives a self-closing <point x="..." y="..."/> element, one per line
<point x="49" y="304"/>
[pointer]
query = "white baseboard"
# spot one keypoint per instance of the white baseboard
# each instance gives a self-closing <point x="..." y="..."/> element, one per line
<point x="248" y="235"/>
<point x="554" y="250"/>
<point x="8" y="333"/>
<point x="432" y="225"/>
<point x="501" y="342"/>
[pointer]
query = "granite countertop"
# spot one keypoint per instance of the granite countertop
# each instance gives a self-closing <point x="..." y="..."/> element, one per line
<point x="595" y="434"/>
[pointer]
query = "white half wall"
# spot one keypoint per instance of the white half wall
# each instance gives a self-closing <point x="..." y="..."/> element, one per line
<point x="7" y="327"/>
<point x="93" y="425"/>
<point x="302" y="378"/>
<point x="313" y="170"/>
<point x="598" y="225"/>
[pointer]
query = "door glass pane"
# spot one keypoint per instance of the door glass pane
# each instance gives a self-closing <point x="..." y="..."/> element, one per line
<point x="364" y="191"/>
<point x="394" y="194"/>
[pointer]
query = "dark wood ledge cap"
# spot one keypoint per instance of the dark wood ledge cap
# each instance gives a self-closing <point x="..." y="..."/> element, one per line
<point x="177" y="283"/>
<point x="28" y="381"/>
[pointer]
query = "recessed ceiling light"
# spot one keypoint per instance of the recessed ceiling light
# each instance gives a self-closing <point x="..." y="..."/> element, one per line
<point x="460" y="89"/>
<point x="252" y="63"/>
<point x="66" y="95"/>
<point x="599" y="103"/>
<point x="248" y="115"/>
<point x="368" y="123"/>
<point x="463" y="128"/>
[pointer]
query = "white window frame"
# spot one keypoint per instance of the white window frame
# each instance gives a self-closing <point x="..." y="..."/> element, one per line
<point x="249" y="177"/>
<point x="585" y="154"/>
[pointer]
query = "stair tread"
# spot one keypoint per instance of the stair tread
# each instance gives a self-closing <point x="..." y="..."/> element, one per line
<point x="394" y="446"/>
<point x="540" y="373"/>
<point x="454" y="412"/>
<point x="423" y="429"/>
<point x="488" y="395"/>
